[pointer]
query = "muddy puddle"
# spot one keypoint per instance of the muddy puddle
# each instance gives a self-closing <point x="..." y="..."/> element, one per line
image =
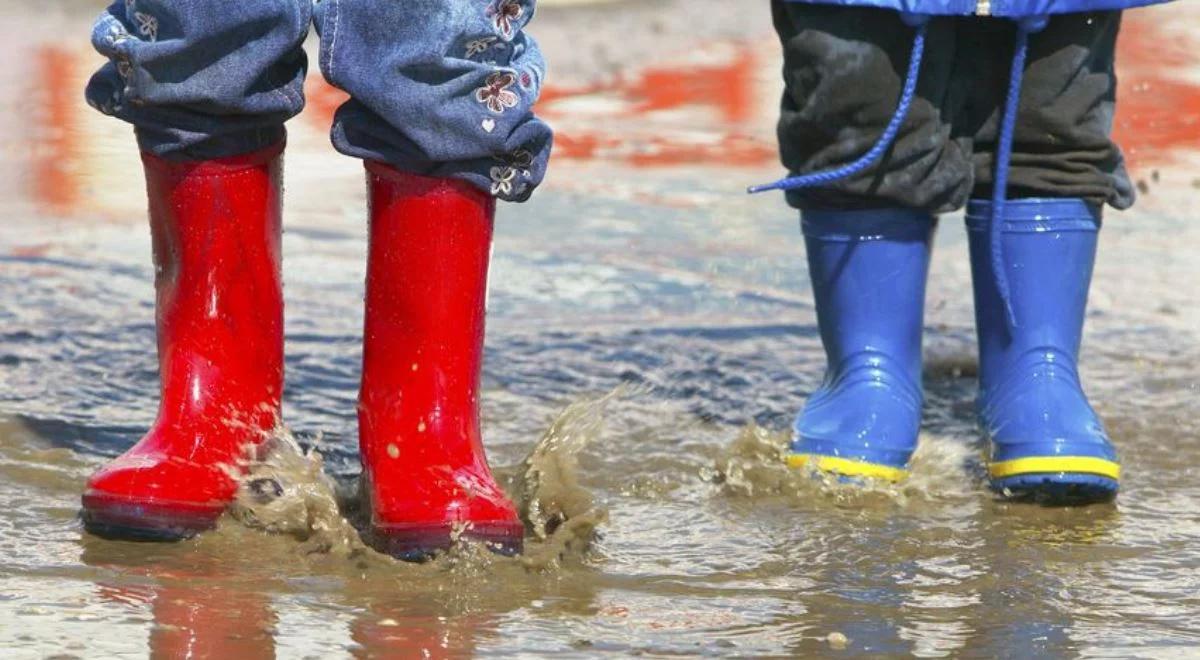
<point x="651" y="336"/>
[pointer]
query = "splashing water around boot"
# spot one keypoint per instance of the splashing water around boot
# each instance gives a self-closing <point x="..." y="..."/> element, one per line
<point x="288" y="493"/>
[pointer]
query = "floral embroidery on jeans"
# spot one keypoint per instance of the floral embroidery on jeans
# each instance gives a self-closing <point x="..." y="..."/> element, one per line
<point x="509" y="177"/>
<point x="495" y="93"/>
<point x="503" y="180"/>
<point x="116" y="34"/>
<point x="477" y="46"/>
<point x="505" y="14"/>
<point x="147" y="25"/>
<point x="520" y="159"/>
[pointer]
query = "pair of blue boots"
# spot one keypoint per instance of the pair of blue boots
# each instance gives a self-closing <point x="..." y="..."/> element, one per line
<point x="868" y="270"/>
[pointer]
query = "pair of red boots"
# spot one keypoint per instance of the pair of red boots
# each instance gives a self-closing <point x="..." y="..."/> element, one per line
<point x="216" y="237"/>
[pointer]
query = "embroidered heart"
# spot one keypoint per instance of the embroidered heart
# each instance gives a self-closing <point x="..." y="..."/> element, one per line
<point x="489" y="124"/>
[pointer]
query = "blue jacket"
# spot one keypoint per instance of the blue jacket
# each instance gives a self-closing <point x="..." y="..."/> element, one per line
<point x="1006" y="8"/>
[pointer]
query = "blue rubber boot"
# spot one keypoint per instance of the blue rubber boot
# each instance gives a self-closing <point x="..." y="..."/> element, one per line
<point x="1046" y="441"/>
<point x="868" y="272"/>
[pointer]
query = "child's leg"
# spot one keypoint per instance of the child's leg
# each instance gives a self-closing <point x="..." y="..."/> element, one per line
<point x="201" y="79"/>
<point x="844" y="68"/>
<point x="441" y="109"/>
<point x="1063" y="145"/>
<point x="1046" y="440"/>
<point x="442" y="89"/>
<point x="868" y="236"/>
<point x="868" y="271"/>
<point x="207" y="86"/>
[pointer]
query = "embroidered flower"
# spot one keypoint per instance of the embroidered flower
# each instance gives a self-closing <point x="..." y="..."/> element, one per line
<point x="511" y="176"/>
<point x="477" y="46"/>
<point x="116" y="34"/>
<point x="503" y="180"/>
<point x="114" y="104"/>
<point x="505" y="14"/>
<point x="147" y="25"/>
<point x="520" y="159"/>
<point x="495" y="93"/>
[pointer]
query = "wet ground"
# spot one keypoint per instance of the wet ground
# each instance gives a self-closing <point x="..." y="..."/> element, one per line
<point x="651" y="335"/>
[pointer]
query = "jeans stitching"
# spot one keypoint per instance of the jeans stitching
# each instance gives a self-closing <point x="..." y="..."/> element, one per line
<point x="282" y="90"/>
<point x="332" y="40"/>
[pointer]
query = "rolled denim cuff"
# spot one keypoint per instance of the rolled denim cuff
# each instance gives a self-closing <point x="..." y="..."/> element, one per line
<point x="440" y="88"/>
<point x="201" y="80"/>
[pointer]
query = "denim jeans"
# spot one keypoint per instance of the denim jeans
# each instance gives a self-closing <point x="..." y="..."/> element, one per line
<point x="438" y="87"/>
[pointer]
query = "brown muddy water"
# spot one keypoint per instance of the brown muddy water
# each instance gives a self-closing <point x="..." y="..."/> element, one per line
<point x="651" y="336"/>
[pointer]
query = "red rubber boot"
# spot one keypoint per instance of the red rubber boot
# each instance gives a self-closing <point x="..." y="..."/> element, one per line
<point x="215" y="229"/>
<point x="424" y="468"/>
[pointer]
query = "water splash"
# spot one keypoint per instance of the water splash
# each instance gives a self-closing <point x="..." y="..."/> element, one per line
<point x="287" y="492"/>
<point x="754" y="466"/>
<point x="559" y="513"/>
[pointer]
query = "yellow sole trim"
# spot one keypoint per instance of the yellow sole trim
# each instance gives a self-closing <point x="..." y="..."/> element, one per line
<point x="847" y="467"/>
<point x="1056" y="464"/>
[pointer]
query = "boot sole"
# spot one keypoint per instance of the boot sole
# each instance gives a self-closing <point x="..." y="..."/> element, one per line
<point x="848" y="467"/>
<point x="423" y="542"/>
<point x="125" y="519"/>
<point x="1057" y="480"/>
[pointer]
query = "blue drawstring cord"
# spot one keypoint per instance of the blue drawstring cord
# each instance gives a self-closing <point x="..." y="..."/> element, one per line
<point x="1025" y="27"/>
<point x="1008" y="124"/>
<point x="816" y="179"/>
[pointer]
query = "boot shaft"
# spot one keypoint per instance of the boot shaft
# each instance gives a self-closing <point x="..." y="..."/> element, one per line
<point x="424" y="468"/>
<point x="430" y="244"/>
<point x="215" y="227"/>
<point x="215" y="232"/>
<point x="1048" y="247"/>
<point x="868" y="272"/>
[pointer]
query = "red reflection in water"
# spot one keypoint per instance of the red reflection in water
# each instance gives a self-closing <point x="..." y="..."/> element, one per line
<point x="727" y="90"/>
<point x="1158" y="109"/>
<point x="209" y="621"/>
<point x="55" y="185"/>
<point x="396" y="632"/>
